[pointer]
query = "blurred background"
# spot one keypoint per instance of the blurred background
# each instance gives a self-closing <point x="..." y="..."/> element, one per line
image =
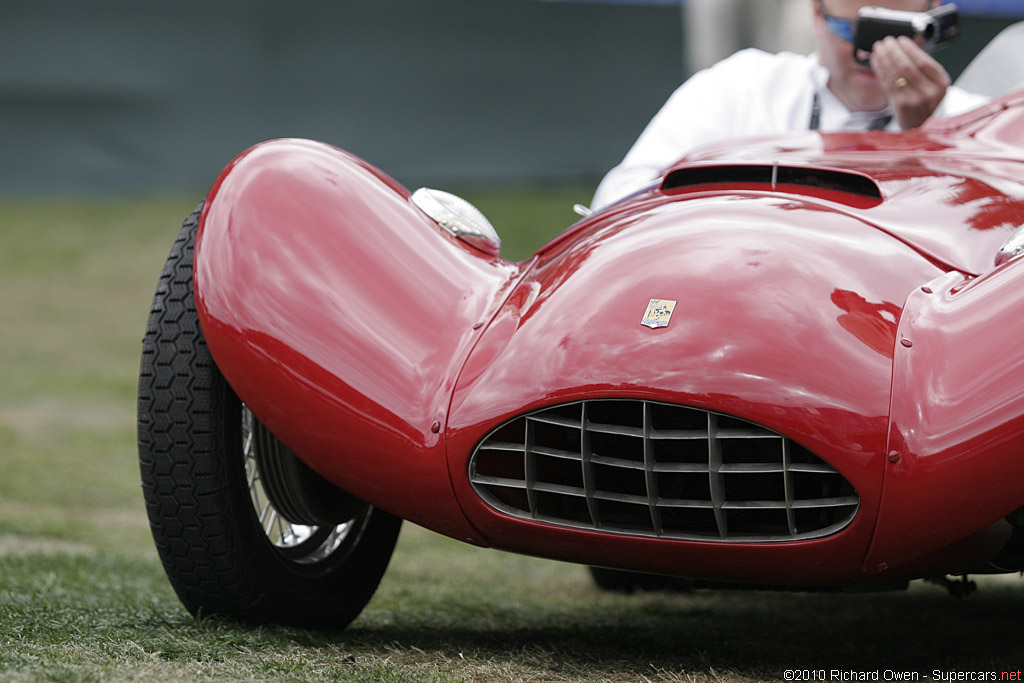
<point x="121" y="96"/>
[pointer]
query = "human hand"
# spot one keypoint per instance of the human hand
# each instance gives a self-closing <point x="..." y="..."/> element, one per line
<point x="914" y="82"/>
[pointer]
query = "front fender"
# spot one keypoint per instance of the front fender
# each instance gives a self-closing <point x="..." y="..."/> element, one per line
<point x="340" y="314"/>
<point x="957" y="421"/>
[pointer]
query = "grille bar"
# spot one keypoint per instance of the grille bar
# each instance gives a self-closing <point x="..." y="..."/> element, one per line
<point x="530" y="467"/>
<point x="654" y="469"/>
<point x="587" y="462"/>
<point x="715" y="476"/>
<point x="787" y="466"/>
<point x="650" y="478"/>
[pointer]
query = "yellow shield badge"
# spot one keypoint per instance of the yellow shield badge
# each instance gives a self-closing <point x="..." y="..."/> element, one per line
<point x="659" y="313"/>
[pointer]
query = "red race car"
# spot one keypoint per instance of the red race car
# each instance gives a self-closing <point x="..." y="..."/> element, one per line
<point x="791" y="362"/>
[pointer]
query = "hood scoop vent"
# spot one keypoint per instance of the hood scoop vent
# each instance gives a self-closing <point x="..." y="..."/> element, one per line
<point x="842" y="186"/>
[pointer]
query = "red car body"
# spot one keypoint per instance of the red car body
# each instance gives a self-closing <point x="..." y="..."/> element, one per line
<point x="838" y="290"/>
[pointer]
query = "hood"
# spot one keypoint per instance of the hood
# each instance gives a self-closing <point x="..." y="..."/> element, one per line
<point x="785" y="314"/>
<point x="955" y="203"/>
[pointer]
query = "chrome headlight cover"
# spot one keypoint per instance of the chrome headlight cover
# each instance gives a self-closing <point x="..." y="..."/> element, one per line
<point x="459" y="218"/>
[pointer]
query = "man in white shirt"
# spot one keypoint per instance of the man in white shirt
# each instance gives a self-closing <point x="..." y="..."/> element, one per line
<point x="757" y="93"/>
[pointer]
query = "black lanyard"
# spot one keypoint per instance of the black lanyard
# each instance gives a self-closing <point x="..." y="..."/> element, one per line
<point x="815" y="113"/>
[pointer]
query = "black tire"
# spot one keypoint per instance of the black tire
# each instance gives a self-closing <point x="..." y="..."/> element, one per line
<point x="196" y="441"/>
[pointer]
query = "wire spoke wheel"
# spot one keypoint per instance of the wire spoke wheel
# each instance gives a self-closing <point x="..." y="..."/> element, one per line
<point x="299" y="543"/>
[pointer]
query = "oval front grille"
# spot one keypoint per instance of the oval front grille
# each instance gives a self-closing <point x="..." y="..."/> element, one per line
<point x="654" y="469"/>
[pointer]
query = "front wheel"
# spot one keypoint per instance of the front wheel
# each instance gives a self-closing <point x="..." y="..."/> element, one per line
<point x="244" y="529"/>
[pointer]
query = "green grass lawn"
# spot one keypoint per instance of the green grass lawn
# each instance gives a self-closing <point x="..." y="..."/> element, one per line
<point x="83" y="596"/>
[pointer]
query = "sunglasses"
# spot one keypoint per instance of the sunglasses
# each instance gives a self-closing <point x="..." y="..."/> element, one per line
<point x="843" y="29"/>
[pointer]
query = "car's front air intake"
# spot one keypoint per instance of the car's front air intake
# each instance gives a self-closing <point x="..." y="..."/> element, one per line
<point x="654" y="469"/>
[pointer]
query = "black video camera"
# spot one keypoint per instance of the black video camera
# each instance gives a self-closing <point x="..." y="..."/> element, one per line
<point x="932" y="29"/>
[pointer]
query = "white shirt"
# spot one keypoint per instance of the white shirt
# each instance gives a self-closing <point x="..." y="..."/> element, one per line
<point x="750" y="93"/>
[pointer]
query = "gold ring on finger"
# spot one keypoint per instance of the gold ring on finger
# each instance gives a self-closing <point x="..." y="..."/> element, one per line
<point x="899" y="83"/>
